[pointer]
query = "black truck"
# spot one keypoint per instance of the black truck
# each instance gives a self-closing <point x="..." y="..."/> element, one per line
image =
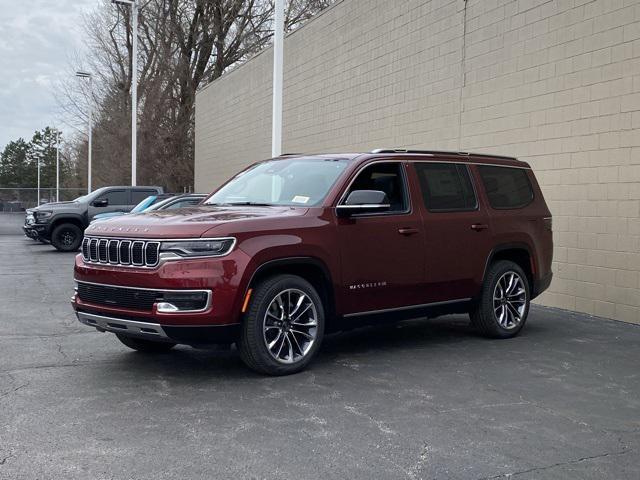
<point x="62" y="223"/>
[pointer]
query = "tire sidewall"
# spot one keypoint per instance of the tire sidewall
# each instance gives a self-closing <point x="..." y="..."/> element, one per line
<point x="60" y="230"/>
<point x="497" y="271"/>
<point x="252" y="331"/>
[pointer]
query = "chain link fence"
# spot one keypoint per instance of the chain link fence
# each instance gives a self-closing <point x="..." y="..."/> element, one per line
<point x="19" y="199"/>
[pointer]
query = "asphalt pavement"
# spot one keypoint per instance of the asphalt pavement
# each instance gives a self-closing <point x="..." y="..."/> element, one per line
<point x="422" y="399"/>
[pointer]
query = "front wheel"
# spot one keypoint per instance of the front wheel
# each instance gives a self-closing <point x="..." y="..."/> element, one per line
<point x="284" y="326"/>
<point x="66" y="237"/>
<point x="503" y="307"/>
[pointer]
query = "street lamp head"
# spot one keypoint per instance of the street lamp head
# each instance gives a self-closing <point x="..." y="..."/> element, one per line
<point x="124" y="2"/>
<point x="82" y="74"/>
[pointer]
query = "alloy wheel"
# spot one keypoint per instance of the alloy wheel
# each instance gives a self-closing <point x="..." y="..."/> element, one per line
<point x="290" y="326"/>
<point x="67" y="238"/>
<point x="510" y="300"/>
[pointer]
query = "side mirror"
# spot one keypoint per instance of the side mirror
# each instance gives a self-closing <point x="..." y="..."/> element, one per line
<point x="364" y="201"/>
<point x="101" y="202"/>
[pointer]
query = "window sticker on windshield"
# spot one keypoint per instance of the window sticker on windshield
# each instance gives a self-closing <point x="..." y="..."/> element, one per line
<point x="300" y="199"/>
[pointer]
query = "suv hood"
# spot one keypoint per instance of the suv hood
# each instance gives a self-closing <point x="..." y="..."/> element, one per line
<point x="53" y="205"/>
<point x="189" y="222"/>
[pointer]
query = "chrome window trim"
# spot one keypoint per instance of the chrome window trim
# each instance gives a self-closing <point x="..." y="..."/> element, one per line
<point x="207" y="306"/>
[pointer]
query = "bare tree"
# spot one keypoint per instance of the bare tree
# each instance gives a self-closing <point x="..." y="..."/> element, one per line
<point x="183" y="45"/>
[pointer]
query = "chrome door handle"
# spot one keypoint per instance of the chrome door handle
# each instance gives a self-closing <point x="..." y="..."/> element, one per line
<point x="479" y="226"/>
<point x="407" y="231"/>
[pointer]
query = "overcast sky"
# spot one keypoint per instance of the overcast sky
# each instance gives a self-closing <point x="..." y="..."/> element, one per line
<point x="38" y="39"/>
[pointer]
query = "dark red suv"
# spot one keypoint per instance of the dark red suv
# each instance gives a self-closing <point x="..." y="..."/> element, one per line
<point x="297" y="246"/>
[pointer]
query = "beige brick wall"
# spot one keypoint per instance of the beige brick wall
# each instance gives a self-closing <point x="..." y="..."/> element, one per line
<point x="555" y="82"/>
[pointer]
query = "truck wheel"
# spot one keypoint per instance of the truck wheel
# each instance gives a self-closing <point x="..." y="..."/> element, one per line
<point x="66" y="237"/>
<point x="146" y="346"/>
<point x="283" y="327"/>
<point x="502" y="309"/>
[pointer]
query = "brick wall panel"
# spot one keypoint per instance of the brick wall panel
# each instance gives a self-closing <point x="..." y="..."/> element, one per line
<point x="554" y="82"/>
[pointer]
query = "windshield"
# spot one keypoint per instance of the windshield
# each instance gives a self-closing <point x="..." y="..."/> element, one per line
<point x="143" y="204"/>
<point x="159" y="205"/>
<point x="290" y="182"/>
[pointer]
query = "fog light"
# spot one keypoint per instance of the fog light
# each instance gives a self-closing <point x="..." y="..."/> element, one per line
<point x="166" y="307"/>
<point x="172" y="302"/>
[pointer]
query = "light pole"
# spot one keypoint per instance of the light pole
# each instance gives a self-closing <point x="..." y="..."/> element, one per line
<point x="278" y="62"/>
<point x="134" y="85"/>
<point x="57" y="165"/>
<point x="38" y="199"/>
<point x="82" y="74"/>
<point x="39" y="149"/>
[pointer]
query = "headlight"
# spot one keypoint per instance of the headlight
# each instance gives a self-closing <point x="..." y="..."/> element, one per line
<point x="41" y="215"/>
<point x="199" y="248"/>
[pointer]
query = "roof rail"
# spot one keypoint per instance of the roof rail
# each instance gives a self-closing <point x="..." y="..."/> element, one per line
<point x="440" y="152"/>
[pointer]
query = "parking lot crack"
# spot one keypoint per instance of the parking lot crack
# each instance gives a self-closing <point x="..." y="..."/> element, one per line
<point x="555" y="465"/>
<point x="13" y="390"/>
<point x="61" y="352"/>
<point x="379" y="424"/>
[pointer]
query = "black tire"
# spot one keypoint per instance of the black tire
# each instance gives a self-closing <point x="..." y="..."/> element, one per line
<point x="66" y="237"/>
<point x="502" y="318"/>
<point x="253" y="343"/>
<point x="146" y="346"/>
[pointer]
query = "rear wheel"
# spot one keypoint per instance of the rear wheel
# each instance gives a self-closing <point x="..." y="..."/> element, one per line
<point x="284" y="326"/>
<point x="503" y="307"/>
<point x="146" y="346"/>
<point x="66" y="237"/>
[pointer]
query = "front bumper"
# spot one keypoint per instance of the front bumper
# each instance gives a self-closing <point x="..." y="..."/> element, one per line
<point x="36" y="231"/>
<point x="218" y="323"/>
<point x="160" y="333"/>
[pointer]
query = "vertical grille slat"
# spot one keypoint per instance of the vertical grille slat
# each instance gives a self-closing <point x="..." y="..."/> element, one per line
<point x="102" y="250"/>
<point x="93" y="249"/>
<point x="85" y="248"/>
<point x="151" y="253"/>
<point x="113" y="248"/>
<point x="138" y="253"/>
<point x="125" y="252"/>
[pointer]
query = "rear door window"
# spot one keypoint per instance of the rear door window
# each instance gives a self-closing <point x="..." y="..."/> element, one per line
<point x="506" y="187"/>
<point x="446" y="187"/>
<point x="116" y="197"/>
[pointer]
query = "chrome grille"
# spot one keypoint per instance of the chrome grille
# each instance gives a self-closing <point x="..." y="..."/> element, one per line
<point x="138" y="253"/>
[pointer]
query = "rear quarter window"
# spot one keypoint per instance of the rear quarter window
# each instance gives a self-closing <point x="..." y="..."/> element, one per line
<point x="506" y="187"/>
